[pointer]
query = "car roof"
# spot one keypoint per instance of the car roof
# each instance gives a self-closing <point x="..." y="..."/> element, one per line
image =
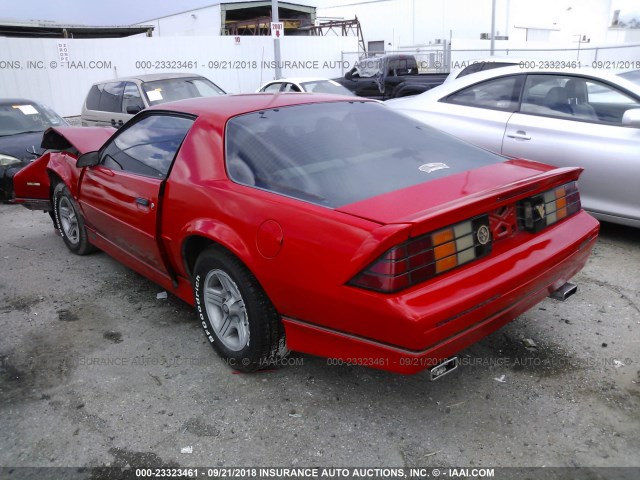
<point x="149" y="77"/>
<point x="223" y="107"/>
<point x="477" y="77"/>
<point x="497" y="59"/>
<point x="298" y="80"/>
<point x="16" y="101"/>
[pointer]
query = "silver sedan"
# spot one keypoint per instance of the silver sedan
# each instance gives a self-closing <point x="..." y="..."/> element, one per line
<point x="586" y="118"/>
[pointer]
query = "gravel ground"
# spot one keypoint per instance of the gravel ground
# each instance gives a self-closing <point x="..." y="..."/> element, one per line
<point x="95" y="371"/>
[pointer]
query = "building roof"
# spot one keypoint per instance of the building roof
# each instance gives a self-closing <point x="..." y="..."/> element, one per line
<point x="38" y="29"/>
<point x="250" y="3"/>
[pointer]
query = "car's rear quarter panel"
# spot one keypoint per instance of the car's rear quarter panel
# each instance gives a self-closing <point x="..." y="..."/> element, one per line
<point x="319" y="245"/>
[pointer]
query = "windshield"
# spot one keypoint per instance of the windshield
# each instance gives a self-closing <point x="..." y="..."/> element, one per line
<point x="16" y="118"/>
<point x="326" y="86"/>
<point x="333" y="154"/>
<point x="633" y="76"/>
<point x="172" y="89"/>
<point x="368" y="67"/>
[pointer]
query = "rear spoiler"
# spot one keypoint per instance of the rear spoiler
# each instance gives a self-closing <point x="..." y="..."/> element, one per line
<point x="477" y="203"/>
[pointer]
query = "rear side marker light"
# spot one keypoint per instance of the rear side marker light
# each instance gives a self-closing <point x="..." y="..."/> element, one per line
<point x="426" y="256"/>
<point x="540" y="211"/>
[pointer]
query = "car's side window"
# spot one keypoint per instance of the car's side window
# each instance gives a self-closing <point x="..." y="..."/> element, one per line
<point x="497" y="94"/>
<point x="147" y="147"/>
<point x="111" y="98"/>
<point x="273" y="88"/>
<point x="609" y="103"/>
<point x="131" y="99"/>
<point x="576" y="98"/>
<point x="469" y="69"/>
<point x="290" y="87"/>
<point x="93" y="98"/>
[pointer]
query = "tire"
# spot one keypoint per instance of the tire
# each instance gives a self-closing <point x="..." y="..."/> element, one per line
<point x="69" y="221"/>
<point x="237" y="316"/>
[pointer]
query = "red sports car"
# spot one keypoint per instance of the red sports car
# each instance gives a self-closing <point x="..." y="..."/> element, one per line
<point x="319" y="224"/>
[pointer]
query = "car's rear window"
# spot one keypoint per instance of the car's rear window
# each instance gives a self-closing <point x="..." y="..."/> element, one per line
<point x="172" y="89"/>
<point x="333" y="154"/>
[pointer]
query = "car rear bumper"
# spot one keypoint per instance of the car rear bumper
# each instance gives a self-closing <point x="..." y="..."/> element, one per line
<point x="438" y="321"/>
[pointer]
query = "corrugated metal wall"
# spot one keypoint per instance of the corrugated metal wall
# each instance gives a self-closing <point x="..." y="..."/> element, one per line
<point x="41" y="69"/>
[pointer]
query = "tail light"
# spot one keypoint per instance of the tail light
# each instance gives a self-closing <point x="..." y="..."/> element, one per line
<point x="426" y="256"/>
<point x="540" y="211"/>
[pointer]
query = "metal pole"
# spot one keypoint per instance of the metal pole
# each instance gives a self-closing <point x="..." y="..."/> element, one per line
<point x="413" y="26"/>
<point x="493" y="26"/>
<point x="276" y="41"/>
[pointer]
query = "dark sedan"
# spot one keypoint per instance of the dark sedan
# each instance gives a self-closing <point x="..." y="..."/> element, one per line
<point x="22" y="123"/>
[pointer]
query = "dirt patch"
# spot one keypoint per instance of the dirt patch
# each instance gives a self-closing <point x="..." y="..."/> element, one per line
<point x="67" y="316"/>
<point x="199" y="428"/>
<point x="115" y="337"/>
<point x="128" y="461"/>
<point x="20" y="303"/>
<point x="544" y="359"/>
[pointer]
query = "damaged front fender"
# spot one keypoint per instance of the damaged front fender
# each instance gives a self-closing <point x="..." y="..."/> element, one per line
<point x="32" y="185"/>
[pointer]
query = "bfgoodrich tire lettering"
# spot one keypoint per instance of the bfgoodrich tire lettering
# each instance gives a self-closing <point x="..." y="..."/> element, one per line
<point x="237" y="316"/>
<point x="69" y="221"/>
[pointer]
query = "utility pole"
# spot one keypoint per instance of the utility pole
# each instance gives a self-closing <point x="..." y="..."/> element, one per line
<point x="276" y="41"/>
<point x="493" y="27"/>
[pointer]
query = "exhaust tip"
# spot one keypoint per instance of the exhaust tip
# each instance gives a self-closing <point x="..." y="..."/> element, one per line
<point x="564" y="292"/>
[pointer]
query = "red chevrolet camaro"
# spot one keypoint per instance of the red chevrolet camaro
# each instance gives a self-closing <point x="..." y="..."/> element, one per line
<point x="319" y="224"/>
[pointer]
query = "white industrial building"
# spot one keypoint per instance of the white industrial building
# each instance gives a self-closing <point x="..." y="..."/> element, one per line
<point x="408" y="24"/>
<point x="392" y="25"/>
<point x="236" y="17"/>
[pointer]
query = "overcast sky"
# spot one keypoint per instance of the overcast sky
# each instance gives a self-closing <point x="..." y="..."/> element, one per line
<point x="124" y="12"/>
<point x="94" y="12"/>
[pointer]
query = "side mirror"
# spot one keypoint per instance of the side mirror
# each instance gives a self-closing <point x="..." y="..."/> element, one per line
<point x="89" y="159"/>
<point x="348" y="75"/>
<point x="631" y="118"/>
<point x="133" y="109"/>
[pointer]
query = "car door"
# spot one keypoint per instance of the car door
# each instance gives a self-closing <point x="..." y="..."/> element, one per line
<point x="574" y="120"/>
<point x="120" y="197"/>
<point x="478" y="113"/>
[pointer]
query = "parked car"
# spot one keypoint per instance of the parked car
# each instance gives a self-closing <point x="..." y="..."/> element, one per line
<point x="588" y="118"/>
<point x="389" y="76"/>
<point x="113" y="102"/>
<point x="464" y="68"/>
<point x="304" y="84"/>
<point x="22" y="123"/>
<point x="318" y="224"/>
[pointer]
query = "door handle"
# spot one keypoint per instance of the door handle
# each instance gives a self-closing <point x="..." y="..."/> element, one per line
<point x="142" y="201"/>
<point x="113" y="122"/>
<point x="120" y="123"/>
<point x="520" y="135"/>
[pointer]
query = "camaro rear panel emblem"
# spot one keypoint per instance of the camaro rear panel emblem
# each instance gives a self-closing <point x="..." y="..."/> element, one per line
<point x="432" y="167"/>
<point x="483" y="235"/>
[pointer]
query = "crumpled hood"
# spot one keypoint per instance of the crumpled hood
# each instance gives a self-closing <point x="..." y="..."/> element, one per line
<point x="83" y="139"/>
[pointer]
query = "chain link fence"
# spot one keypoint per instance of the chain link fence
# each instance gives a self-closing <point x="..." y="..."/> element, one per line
<point x="441" y="58"/>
